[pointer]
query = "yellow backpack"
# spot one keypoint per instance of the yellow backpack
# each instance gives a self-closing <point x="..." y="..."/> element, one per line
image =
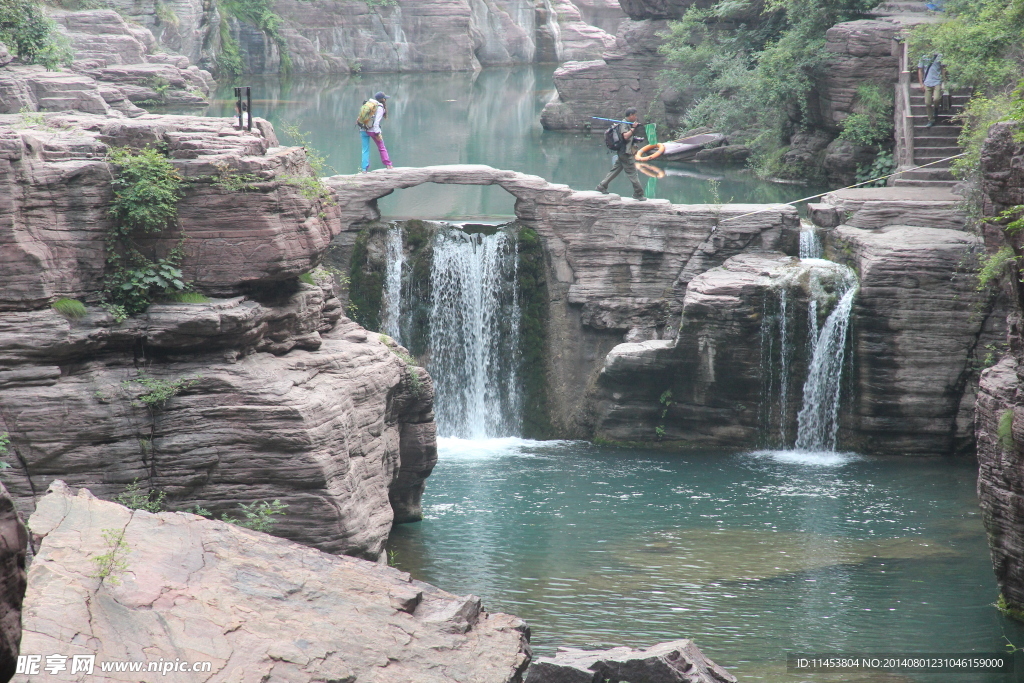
<point x="366" y="113"/>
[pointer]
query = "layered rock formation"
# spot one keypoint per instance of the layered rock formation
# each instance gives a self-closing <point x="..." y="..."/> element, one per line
<point x="186" y="589"/>
<point x="116" y="67"/>
<point x="343" y="36"/>
<point x="276" y="395"/>
<point x="616" y="268"/>
<point x="1000" y="416"/>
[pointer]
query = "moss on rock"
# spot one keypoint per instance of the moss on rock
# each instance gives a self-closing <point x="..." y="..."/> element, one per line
<point x="533" y="302"/>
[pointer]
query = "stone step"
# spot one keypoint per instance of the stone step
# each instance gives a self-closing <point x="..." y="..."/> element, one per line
<point x="957" y="100"/>
<point x="927" y="155"/>
<point x="927" y="174"/>
<point x="899" y="182"/>
<point x="920" y="110"/>
<point x="938" y="141"/>
<point x="939" y="130"/>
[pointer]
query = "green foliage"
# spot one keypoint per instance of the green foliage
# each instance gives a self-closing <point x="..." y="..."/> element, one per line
<point x="30" y="118"/>
<point x="380" y="3"/>
<point x="753" y="73"/>
<point x="981" y="41"/>
<point x="117" y="311"/>
<point x="114" y="562"/>
<point x="229" y="59"/>
<point x="33" y="36"/>
<point x="310" y="186"/>
<point x="366" y="284"/>
<point x="872" y="119"/>
<point x="258" y="516"/>
<point x="188" y="298"/>
<point x="135" y="498"/>
<point x="1004" y="431"/>
<point x="993" y="266"/>
<point x="666" y="401"/>
<point x="198" y="510"/>
<point x="166" y="14"/>
<point x="977" y="117"/>
<point x="146" y="193"/>
<point x="229" y="179"/>
<point x="158" y="391"/>
<point x="259" y="14"/>
<point x="69" y="308"/>
<point x="146" y="190"/>
<point x="307" y="278"/>
<point x="883" y="165"/>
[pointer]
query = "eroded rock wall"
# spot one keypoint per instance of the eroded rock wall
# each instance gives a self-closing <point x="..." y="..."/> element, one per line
<point x="279" y="395"/>
<point x="999" y="420"/>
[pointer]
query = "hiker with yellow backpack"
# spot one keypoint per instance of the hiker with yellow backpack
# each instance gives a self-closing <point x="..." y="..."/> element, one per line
<point x="371" y="114"/>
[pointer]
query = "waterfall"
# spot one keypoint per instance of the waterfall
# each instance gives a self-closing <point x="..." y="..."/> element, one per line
<point x="810" y="245"/>
<point x="775" y="328"/>
<point x="392" y="308"/>
<point x="818" y="419"/>
<point x="474" y="334"/>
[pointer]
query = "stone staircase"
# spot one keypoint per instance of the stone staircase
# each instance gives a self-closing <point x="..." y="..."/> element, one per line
<point x="932" y="144"/>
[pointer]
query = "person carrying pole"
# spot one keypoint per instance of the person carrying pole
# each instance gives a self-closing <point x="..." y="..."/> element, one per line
<point x="621" y="138"/>
<point x="371" y="114"/>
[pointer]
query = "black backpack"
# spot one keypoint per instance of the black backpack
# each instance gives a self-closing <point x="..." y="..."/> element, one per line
<point x="613" y="139"/>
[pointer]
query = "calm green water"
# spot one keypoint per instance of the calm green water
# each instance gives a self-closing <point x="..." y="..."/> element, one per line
<point x="492" y="118"/>
<point x="750" y="555"/>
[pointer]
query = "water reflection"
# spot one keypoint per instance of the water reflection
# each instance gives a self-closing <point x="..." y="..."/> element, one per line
<point x="491" y="118"/>
<point x="750" y="555"/>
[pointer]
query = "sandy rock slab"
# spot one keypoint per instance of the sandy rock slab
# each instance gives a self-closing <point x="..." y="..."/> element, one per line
<point x="679" y="661"/>
<point x="257" y="608"/>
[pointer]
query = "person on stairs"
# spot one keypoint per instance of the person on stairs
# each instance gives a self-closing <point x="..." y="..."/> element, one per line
<point x="624" y="157"/>
<point x="370" y="116"/>
<point x="930" y="74"/>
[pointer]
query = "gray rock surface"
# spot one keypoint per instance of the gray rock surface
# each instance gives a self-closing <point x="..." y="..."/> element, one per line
<point x="919" y="331"/>
<point x="617" y="268"/>
<point x="285" y="398"/>
<point x="877" y="207"/>
<point x="679" y="661"/>
<point x="254" y="606"/>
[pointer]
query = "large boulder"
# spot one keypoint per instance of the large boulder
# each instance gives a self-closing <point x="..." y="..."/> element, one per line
<point x="179" y="588"/>
<point x="679" y="661"/>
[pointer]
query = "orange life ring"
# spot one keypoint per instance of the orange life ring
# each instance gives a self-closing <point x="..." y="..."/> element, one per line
<point x="650" y="170"/>
<point x="659" y="149"/>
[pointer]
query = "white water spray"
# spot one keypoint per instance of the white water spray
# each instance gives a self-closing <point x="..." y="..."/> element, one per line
<point x="474" y="335"/>
<point x="392" y="310"/>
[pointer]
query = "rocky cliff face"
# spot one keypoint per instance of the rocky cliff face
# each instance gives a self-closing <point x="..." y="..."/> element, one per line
<point x="999" y="420"/>
<point x="183" y="588"/>
<point x="616" y="269"/>
<point x="13" y="550"/>
<point x="117" y="66"/>
<point x="343" y="36"/>
<point x="278" y="395"/>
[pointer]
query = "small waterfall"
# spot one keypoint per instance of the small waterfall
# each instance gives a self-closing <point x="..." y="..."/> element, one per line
<point x="474" y="334"/>
<point x="776" y="358"/>
<point x="818" y="419"/>
<point x="392" y="308"/>
<point x="810" y="245"/>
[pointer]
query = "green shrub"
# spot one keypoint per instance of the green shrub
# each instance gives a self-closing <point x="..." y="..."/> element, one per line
<point x="307" y="278"/>
<point x="258" y="516"/>
<point x="883" y="165"/>
<point x="993" y="266"/>
<point x="146" y="190"/>
<point x="5" y="441"/>
<point x="133" y="497"/>
<point x="158" y="391"/>
<point x="111" y="564"/>
<point x="70" y="308"/>
<point x="229" y="59"/>
<point x="872" y="119"/>
<point x="33" y="36"/>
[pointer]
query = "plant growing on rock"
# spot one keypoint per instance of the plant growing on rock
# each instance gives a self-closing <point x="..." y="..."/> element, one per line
<point x="135" y="498"/>
<point x="158" y="391"/>
<point x="259" y="14"/>
<point x="258" y="516"/>
<point x="146" y="193"/>
<point x="69" y="308"/>
<point x="5" y="441"/>
<point x="114" y="562"/>
<point x="872" y="122"/>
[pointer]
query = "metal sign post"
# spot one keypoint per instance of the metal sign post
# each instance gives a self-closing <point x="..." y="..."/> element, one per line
<point x="244" y="110"/>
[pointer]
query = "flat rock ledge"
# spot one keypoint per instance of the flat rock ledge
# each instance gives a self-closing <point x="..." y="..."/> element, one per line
<point x="678" y="661"/>
<point x="258" y="608"/>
